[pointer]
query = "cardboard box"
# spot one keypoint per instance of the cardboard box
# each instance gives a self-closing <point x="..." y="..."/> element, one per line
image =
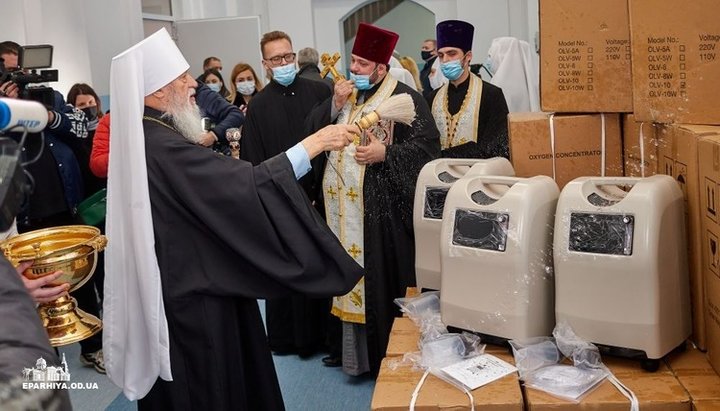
<point x="706" y="405"/>
<point x="679" y="158"/>
<point x="709" y="162"/>
<point x="693" y="371"/>
<point x="394" y="389"/>
<point x="655" y="392"/>
<point x="689" y="362"/>
<point x="701" y="387"/>
<point x="640" y="147"/>
<point x="578" y="145"/>
<point x="623" y="367"/>
<point x="676" y="60"/>
<point x="411" y="292"/>
<point x="404" y="337"/>
<point x="585" y="56"/>
<point x="712" y="318"/>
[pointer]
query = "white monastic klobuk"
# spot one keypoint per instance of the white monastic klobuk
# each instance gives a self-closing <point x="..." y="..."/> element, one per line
<point x="136" y="345"/>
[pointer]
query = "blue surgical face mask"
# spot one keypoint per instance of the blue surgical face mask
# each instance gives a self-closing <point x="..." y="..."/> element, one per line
<point x="488" y="66"/>
<point x="245" y="88"/>
<point x="214" y="87"/>
<point x="284" y="75"/>
<point x="452" y="69"/>
<point x="362" y="81"/>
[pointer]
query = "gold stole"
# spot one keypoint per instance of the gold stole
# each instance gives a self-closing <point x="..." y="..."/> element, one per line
<point x="344" y="202"/>
<point x="462" y="127"/>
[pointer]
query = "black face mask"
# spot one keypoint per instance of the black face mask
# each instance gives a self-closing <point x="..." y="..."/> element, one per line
<point x="425" y="55"/>
<point x="90" y="113"/>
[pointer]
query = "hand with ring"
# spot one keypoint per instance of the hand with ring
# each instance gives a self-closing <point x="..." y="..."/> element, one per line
<point x="9" y="89"/>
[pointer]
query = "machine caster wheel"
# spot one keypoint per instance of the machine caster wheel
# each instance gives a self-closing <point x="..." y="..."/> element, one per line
<point x="650" y="365"/>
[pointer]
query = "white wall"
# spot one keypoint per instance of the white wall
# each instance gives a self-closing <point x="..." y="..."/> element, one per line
<point x="86" y="34"/>
<point x="292" y="17"/>
<point x="415" y="23"/>
<point x="534" y="23"/>
<point x="491" y="18"/>
<point x="112" y="27"/>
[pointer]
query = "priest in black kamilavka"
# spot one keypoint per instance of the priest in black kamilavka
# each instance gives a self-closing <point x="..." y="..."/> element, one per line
<point x="194" y="238"/>
<point x="368" y="191"/>
<point x="471" y="114"/>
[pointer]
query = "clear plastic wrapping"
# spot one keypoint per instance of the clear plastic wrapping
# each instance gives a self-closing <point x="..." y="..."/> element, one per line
<point x="479" y="229"/>
<point x="601" y="233"/>
<point x="438" y="348"/>
<point x="532" y="354"/>
<point x="565" y="381"/>
<point x="435" y="202"/>
<point x="538" y="363"/>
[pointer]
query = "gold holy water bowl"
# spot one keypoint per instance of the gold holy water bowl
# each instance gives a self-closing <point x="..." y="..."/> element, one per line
<point x="72" y="249"/>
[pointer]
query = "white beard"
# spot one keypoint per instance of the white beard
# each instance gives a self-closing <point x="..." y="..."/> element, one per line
<point x="186" y="118"/>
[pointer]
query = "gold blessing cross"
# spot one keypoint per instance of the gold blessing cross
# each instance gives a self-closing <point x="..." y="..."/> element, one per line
<point x="329" y="66"/>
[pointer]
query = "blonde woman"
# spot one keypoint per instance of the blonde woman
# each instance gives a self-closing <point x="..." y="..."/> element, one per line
<point x="409" y="64"/>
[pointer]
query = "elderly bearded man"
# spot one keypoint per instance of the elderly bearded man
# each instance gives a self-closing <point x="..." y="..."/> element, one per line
<point x="194" y="238"/>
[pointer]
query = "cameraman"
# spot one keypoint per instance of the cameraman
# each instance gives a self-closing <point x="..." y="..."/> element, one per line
<point x="57" y="182"/>
<point x="57" y="179"/>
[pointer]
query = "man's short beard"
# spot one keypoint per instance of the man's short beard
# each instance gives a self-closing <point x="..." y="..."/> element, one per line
<point x="185" y="116"/>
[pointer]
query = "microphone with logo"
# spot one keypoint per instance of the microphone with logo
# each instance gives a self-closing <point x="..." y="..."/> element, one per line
<point x="21" y="116"/>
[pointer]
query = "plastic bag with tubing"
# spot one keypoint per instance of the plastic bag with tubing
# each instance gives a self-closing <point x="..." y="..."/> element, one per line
<point x="419" y="305"/>
<point x="447" y="349"/>
<point x="583" y="354"/>
<point x="566" y="381"/>
<point x="538" y="362"/>
<point x="438" y="348"/>
<point x="423" y="305"/>
<point x="532" y="354"/>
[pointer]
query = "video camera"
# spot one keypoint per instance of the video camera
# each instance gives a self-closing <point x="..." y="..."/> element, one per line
<point x="31" y="58"/>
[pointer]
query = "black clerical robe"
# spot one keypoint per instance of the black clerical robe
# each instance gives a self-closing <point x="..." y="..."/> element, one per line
<point x="388" y="192"/>
<point x="492" y="130"/>
<point x="227" y="233"/>
<point x="275" y="122"/>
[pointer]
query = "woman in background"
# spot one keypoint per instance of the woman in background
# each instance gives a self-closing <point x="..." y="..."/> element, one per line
<point x="244" y="85"/>
<point x="409" y="64"/>
<point x="83" y="97"/>
<point x="213" y="79"/>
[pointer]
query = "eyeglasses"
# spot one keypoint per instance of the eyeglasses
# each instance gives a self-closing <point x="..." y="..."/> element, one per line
<point x="289" y="58"/>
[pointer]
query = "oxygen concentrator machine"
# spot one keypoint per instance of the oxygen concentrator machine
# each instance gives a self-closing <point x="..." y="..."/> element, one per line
<point x="621" y="274"/>
<point x="434" y="181"/>
<point x="496" y="250"/>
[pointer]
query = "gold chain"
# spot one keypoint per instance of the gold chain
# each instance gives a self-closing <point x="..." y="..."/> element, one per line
<point x="162" y="123"/>
<point x="452" y="120"/>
